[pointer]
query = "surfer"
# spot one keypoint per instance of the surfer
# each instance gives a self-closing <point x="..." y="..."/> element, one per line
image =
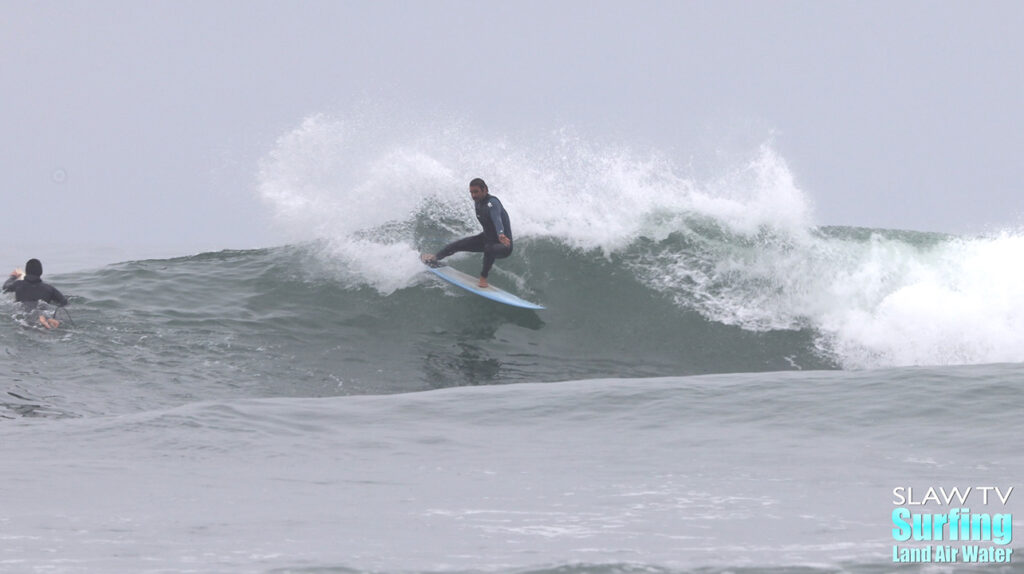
<point x="496" y="240"/>
<point x="29" y="288"/>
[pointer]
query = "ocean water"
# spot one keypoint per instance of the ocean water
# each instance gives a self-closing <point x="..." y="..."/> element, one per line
<point x="717" y="385"/>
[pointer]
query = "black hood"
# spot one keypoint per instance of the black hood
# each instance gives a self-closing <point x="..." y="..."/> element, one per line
<point x="33" y="267"/>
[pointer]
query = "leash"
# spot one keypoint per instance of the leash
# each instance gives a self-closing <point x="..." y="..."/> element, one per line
<point x="66" y="314"/>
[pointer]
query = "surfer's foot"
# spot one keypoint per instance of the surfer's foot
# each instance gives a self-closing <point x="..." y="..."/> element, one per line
<point x="49" y="323"/>
<point x="483" y="283"/>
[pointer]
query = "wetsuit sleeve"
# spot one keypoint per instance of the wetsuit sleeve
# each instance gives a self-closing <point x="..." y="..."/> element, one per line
<point x="9" y="284"/>
<point x="495" y="209"/>
<point x="57" y="297"/>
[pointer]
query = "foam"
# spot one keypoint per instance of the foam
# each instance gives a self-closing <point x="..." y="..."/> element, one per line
<point x="960" y="302"/>
<point x="332" y="179"/>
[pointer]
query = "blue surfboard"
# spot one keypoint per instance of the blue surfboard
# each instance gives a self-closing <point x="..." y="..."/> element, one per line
<point x="469" y="283"/>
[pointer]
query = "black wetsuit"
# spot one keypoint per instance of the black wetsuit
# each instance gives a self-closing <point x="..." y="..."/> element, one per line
<point x="30" y="290"/>
<point x="494" y="219"/>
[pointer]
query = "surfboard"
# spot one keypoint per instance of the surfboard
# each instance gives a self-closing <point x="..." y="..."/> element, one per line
<point x="469" y="283"/>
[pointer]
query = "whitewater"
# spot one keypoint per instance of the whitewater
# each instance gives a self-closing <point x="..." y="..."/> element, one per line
<point x="718" y="383"/>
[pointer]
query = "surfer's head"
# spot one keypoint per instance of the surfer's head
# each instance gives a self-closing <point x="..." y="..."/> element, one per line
<point x="33" y="267"/>
<point x="477" y="189"/>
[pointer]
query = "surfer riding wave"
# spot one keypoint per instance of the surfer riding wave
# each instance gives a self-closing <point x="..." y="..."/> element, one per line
<point x="496" y="240"/>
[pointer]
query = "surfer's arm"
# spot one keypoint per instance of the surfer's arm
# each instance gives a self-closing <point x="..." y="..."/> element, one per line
<point x="9" y="284"/>
<point x="495" y="210"/>
<point x="57" y="297"/>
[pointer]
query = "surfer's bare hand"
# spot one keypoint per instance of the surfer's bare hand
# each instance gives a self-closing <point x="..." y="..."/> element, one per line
<point x="504" y="240"/>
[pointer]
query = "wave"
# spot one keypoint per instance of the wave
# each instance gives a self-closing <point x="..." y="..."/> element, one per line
<point x="739" y="248"/>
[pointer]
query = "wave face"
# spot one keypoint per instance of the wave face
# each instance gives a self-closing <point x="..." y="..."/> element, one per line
<point x="702" y="300"/>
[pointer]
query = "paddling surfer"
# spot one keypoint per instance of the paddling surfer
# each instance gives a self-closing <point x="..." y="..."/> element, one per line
<point x="29" y="289"/>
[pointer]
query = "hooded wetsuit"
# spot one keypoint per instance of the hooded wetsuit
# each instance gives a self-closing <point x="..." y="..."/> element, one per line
<point x="32" y="289"/>
<point x="494" y="219"/>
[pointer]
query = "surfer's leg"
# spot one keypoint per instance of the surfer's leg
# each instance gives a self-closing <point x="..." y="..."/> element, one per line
<point x="493" y="251"/>
<point x="473" y="244"/>
<point x="488" y="261"/>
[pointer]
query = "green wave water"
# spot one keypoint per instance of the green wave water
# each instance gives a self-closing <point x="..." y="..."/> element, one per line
<point x="239" y="323"/>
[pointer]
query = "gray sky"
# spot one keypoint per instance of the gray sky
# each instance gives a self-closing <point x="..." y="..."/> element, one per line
<point x="141" y="124"/>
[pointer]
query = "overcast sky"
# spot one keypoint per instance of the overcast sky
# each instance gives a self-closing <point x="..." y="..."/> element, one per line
<point x="142" y="124"/>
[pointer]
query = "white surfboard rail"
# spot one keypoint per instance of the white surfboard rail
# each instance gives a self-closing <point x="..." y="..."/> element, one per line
<point x="469" y="283"/>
